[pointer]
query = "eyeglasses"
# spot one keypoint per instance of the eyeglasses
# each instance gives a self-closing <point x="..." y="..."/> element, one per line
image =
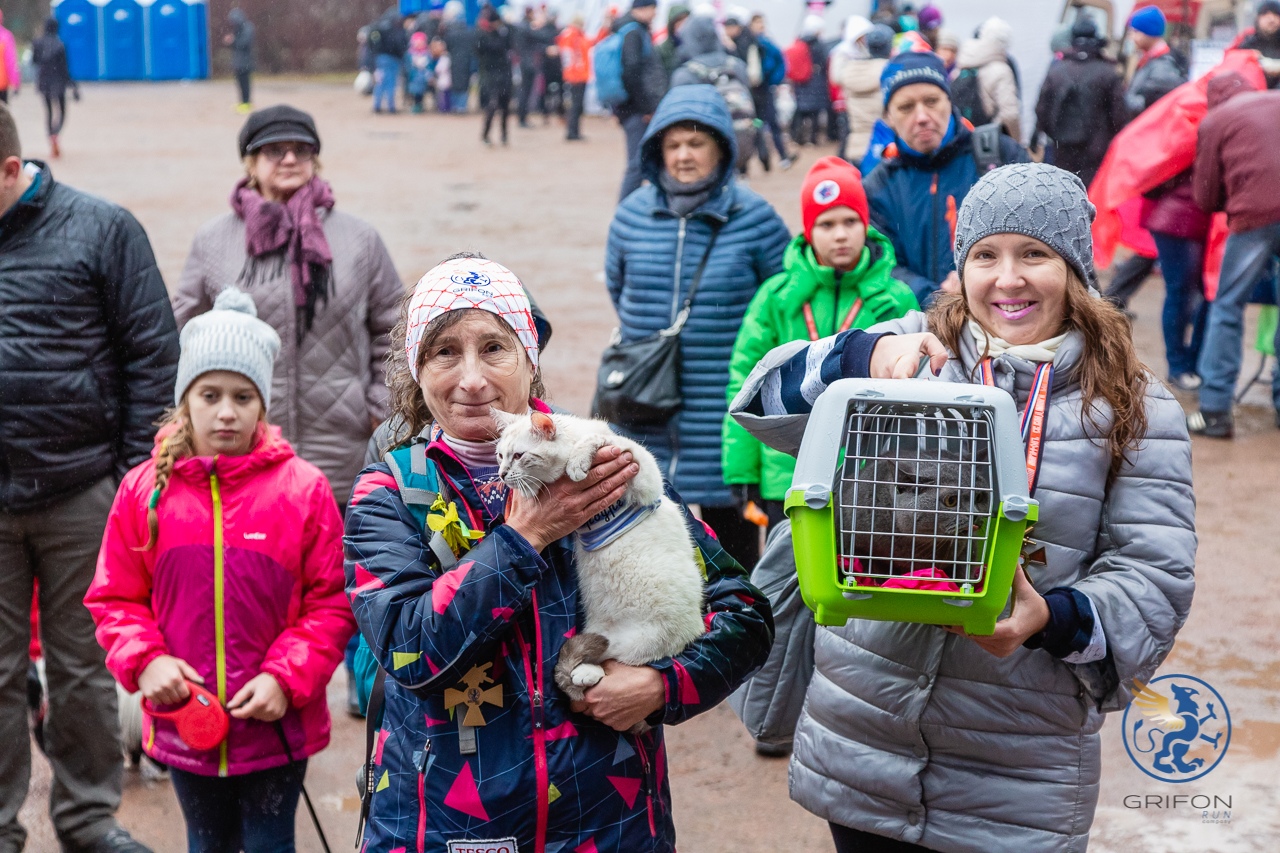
<point x="276" y="151"/>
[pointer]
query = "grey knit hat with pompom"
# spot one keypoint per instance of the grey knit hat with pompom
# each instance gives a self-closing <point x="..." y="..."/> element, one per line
<point x="1034" y="199"/>
<point x="230" y="337"/>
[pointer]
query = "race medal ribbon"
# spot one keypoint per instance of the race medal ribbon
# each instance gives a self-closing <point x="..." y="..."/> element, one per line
<point x="844" y="327"/>
<point x="1033" y="416"/>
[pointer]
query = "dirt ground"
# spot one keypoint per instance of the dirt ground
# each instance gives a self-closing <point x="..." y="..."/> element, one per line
<point x="542" y="206"/>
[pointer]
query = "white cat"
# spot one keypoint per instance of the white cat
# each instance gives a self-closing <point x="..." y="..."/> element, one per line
<point x="640" y="584"/>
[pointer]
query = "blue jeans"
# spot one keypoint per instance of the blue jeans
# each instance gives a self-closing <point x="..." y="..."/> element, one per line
<point x="1246" y="259"/>
<point x="253" y="812"/>
<point x="384" y="89"/>
<point x="634" y="127"/>
<point x="1182" y="262"/>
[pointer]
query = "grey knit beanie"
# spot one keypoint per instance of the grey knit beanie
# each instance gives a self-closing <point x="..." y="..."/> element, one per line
<point x="230" y="337"/>
<point x="1034" y="199"/>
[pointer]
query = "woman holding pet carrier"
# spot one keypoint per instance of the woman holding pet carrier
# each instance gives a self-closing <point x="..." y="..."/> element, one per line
<point x="466" y="594"/>
<point x="916" y="737"/>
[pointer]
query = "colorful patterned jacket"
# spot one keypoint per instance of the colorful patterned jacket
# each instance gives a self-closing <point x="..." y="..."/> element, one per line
<point x="471" y="644"/>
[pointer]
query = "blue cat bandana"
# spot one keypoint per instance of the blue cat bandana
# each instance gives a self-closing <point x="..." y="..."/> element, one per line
<point x="606" y="526"/>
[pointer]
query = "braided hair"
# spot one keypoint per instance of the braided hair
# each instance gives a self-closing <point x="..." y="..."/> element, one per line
<point x="178" y="444"/>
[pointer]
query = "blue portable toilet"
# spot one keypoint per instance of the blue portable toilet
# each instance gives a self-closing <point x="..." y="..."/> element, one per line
<point x="122" y="36"/>
<point x="176" y="38"/>
<point x="79" y="26"/>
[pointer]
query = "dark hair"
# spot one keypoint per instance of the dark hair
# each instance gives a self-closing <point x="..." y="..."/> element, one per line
<point x="10" y="145"/>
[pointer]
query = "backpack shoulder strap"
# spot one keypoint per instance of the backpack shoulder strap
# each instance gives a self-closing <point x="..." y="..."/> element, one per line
<point x="986" y="147"/>
<point x="420" y="486"/>
<point x="372" y="722"/>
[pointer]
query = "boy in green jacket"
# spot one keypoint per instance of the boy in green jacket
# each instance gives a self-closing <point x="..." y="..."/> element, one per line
<point x="836" y="277"/>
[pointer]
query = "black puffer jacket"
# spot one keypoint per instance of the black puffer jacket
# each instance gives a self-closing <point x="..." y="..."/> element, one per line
<point x="88" y="345"/>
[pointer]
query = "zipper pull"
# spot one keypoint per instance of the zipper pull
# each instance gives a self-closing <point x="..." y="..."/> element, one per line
<point x="426" y="753"/>
<point x="537" y="709"/>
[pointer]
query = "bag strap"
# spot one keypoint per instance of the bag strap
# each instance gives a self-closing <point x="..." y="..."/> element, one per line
<point x="985" y="139"/>
<point x="683" y="316"/>
<point x="372" y="721"/>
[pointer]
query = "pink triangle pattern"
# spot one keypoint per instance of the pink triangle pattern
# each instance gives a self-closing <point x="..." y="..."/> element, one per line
<point x="568" y="634"/>
<point x="463" y="795"/>
<point x="369" y="484"/>
<point x="627" y="788"/>
<point x="562" y="731"/>
<point x="365" y="581"/>
<point x="503" y="613"/>
<point x="588" y="846"/>
<point x="688" y="692"/>
<point x="446" y="586"/>
<point x="431" y="665"/>
<point x="433" y="722"/>
<point x="377" y="750"/>
<point x="398" y="850"/>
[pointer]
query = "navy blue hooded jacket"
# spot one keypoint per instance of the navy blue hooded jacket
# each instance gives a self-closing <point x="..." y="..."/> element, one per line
<point x="651" y="259"/>
<point x="914" y="201"/>
<point x="487" y="632"/>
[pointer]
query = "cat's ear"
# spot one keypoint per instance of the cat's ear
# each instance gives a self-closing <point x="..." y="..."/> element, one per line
<point x="502" y="419"/>
<point x="544" y="426"/>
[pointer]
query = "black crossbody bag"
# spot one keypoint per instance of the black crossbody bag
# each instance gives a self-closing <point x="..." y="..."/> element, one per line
<point x="638" y="384"/>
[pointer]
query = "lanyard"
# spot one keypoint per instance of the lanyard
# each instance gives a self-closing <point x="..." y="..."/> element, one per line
<point x="844" y="327"/>
<point x="1033" y="416"/>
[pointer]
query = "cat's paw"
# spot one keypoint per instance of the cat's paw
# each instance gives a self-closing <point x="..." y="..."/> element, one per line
<point x="578" y="466"/>
<point x="587" y="675"/>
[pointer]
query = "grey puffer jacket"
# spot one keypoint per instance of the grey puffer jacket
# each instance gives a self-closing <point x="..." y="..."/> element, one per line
<point x="329" y="390"/>
<point x="917" y="734"/>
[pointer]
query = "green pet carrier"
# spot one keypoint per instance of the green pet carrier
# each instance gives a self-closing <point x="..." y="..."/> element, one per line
<point x="910" y="503"/>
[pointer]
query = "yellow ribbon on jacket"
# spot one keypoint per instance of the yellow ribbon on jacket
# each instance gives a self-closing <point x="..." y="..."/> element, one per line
<point x="443" y="519"/>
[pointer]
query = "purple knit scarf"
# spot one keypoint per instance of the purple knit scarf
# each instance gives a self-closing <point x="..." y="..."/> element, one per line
<point x="295" y="227"/>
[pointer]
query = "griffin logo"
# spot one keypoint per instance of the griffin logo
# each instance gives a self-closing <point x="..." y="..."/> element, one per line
<point x="470" y="278"/>
<point x="1177" y="729"/>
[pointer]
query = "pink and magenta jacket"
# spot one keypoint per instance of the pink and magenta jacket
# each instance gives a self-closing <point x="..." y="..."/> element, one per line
<point x="246" y="577"/>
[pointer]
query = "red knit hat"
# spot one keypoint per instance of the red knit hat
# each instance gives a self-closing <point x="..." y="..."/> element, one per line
<point x="832" y="182"/>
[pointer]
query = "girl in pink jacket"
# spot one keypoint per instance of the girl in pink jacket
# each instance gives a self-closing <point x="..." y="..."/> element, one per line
<point x="222" y="565"/>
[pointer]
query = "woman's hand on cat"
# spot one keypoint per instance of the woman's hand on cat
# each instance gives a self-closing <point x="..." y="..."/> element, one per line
<point x="563" y="506"/>
<point x="626" y="696"/>
<point x="1030" y="615"/>
<point x="898" y="356"/>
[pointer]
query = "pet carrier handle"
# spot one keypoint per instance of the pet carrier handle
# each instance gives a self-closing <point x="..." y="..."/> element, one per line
<point x="825" y="433"/>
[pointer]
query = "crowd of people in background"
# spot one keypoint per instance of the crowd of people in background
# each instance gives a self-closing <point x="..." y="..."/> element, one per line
<point x="928" y="232"/>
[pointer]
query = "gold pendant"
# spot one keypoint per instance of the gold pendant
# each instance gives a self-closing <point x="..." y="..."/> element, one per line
<point x="473" y="694"/>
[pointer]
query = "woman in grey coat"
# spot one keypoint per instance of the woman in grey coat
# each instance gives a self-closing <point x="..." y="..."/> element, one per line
<point x="947" y="742"/>
<point x="322" y="279"/>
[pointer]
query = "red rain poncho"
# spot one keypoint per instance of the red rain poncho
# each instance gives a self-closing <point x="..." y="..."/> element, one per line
<point x="1154" y="147"/>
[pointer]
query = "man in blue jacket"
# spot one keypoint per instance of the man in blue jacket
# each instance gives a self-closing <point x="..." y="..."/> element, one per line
<point x="926" y="173"/>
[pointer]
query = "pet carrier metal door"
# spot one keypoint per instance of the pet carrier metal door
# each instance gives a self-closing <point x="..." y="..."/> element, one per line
<point x="909" y="503"/>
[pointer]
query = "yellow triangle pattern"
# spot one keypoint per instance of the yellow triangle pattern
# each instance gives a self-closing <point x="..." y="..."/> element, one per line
<point x="383" y="783"/>
<point x="553" y="794"/>
<point x="702" y="564"/>
<point x="399" y="660"/>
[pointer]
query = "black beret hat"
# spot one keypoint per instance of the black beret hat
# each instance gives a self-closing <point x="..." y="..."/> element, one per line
<point x="281" y="123"/>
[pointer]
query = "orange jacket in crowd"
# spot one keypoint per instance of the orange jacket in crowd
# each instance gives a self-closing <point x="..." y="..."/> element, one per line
<point x="575" y="54"/>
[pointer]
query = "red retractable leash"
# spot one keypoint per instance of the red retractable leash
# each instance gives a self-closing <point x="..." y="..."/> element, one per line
<point x="201" y="720"/>
<point x="203" y="724"/>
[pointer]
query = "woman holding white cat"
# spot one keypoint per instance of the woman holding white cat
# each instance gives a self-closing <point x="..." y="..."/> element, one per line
<point x="466" y="593"/>
<point x="916" y="737"/>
